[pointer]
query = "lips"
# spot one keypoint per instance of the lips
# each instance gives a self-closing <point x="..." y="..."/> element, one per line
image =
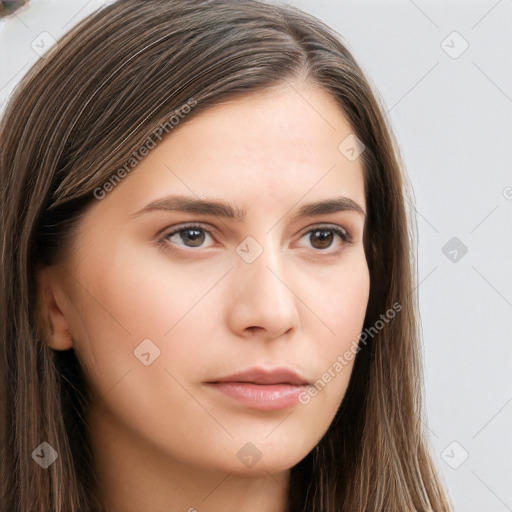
<point x="262" y="389"/>
<point x="266" y="376"/>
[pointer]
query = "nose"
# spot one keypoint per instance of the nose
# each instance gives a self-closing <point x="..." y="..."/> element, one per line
<point x="263" y="303"/>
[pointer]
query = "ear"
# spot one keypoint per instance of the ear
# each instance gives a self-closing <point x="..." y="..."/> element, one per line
<point x="51" y="323"/>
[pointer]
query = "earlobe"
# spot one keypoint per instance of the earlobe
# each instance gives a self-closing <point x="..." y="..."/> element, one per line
<point x="51" y="323"/>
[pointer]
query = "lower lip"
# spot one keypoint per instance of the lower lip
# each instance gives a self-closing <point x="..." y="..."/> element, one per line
<point x="265" y="397"/>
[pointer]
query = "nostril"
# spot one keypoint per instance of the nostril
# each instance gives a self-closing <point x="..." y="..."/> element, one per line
<point x="254" y="328"/>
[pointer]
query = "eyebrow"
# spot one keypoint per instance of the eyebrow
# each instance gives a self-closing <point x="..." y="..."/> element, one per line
<point x="219" y="208"/>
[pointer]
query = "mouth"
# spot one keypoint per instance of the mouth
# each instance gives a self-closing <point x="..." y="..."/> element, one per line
<point x="262" y="389"/>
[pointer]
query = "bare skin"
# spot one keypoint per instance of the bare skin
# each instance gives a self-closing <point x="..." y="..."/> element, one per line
<point x="163" y="439"/>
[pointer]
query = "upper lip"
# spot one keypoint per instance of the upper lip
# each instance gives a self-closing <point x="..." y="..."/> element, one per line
<point x="279" y="375"/>
<point x="265" y="376"/>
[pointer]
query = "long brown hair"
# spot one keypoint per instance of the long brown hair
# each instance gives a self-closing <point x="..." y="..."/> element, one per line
<point x="77" y="117"/>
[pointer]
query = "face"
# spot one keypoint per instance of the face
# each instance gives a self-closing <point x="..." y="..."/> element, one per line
<point x="199" y="342"/>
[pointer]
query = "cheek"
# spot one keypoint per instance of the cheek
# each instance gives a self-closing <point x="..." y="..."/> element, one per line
<point x="339" y="298"/>
<point x="151" y="294"/>
<point x="340" y="304"/>
<point x="126" y="298"/>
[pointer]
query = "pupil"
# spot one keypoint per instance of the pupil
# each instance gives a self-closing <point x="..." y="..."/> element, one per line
<point x="325" y="237"/>
<point x="196" y="238"/>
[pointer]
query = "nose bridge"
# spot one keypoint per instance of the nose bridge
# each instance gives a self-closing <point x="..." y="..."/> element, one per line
<point x="263" y="258"/>
<point x="264" y="293"/>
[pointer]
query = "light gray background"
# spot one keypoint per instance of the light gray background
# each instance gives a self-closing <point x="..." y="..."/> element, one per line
<point x="452" y="113"/>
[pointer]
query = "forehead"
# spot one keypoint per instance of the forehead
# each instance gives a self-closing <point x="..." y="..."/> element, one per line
<point x="273" y="149"/>
<point x="276" y="136"/>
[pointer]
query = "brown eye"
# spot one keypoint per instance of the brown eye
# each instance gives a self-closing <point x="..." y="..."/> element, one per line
<point x="324" y="238"/>
<point x="192" y="236"/>
<point x="188" y="236"/>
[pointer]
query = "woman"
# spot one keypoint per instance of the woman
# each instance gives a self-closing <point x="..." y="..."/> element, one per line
<point x="208" y="298"/>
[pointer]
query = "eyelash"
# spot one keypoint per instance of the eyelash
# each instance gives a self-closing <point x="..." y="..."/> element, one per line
<point x="165" y="244"/>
